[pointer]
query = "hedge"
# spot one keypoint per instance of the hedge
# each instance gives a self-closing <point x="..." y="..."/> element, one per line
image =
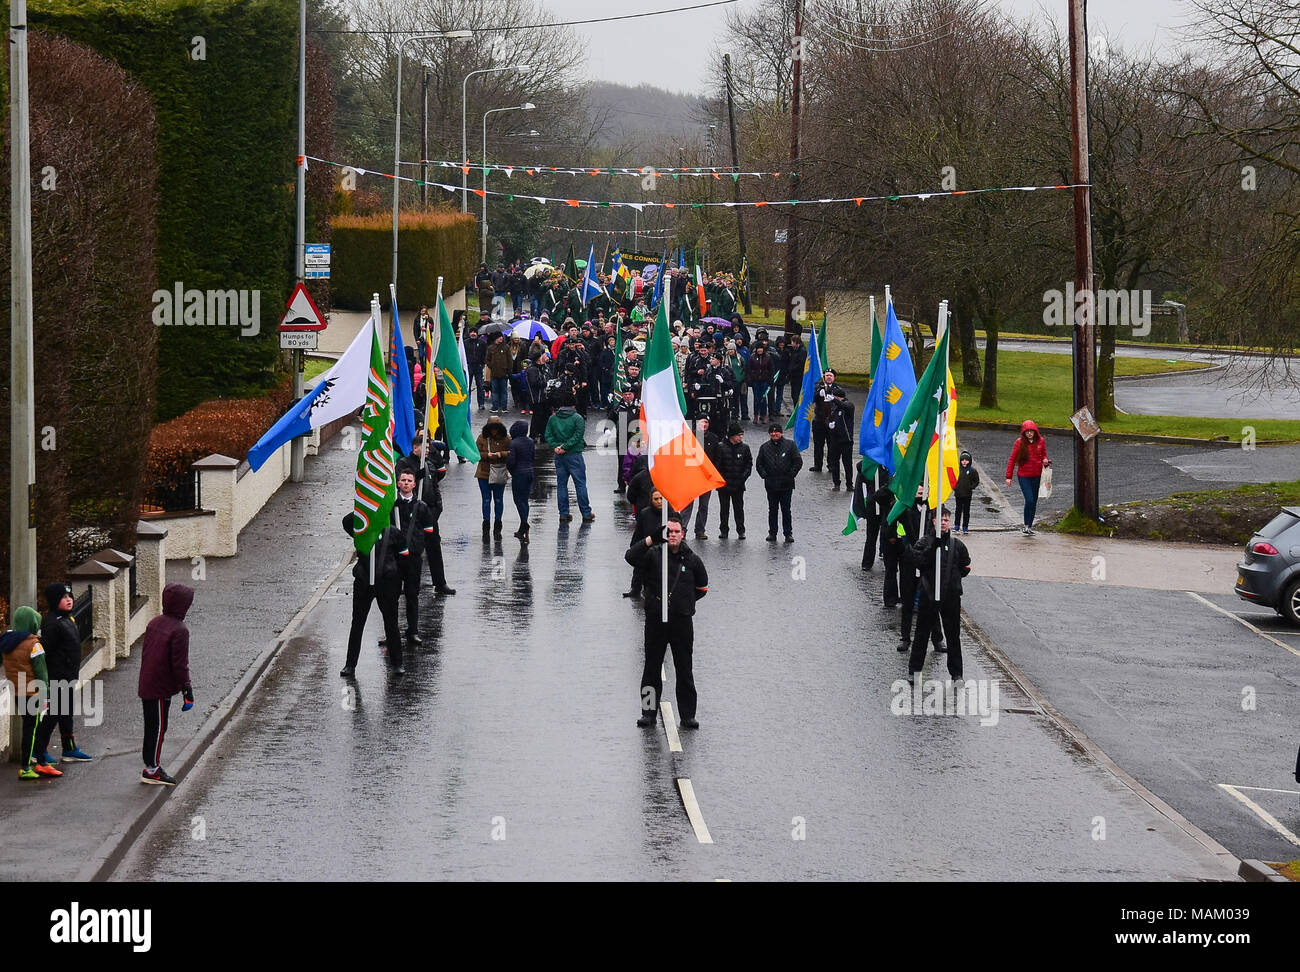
<point x="433" y="244"/>
<point x="226" y="146"/>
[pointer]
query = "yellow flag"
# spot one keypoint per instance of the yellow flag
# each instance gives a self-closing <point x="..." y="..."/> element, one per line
<point x="942" y="464"/>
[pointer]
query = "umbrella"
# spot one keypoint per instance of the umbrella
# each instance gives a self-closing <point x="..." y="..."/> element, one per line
<point x="496" y="327"/>
<point x="715" y="321"/>
<point x="528" y="330"/>
<point x="535" y="268"/>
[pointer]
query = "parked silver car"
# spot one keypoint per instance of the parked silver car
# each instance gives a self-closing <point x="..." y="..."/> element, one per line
<point x="1270" y="573"/>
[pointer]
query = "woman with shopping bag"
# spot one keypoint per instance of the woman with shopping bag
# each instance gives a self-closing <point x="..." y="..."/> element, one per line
<point x="1028" y="463"/>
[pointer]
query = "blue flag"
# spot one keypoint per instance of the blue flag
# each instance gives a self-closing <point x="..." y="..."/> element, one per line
<point x="891" y="389"/>
<point x="659" y="278"/>
<point x="803" y="410"/>
<point x="590" y="288"/>
<point x="399" y="377"/>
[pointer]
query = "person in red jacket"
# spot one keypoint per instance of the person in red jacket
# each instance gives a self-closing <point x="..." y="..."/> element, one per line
<point x="1028" y="459"/>
<point x="164" y="671"/>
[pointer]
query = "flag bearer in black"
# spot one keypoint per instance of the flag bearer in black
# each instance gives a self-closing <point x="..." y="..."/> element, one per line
<point x="389" y="550"/>
<point x="416" y="523"/>
<point x="954" y="564"/>
<point x="839" y="438"/>
<point x="427" y="478"/>
<point x="868" y="510"/>
<point x="688" y="581"/>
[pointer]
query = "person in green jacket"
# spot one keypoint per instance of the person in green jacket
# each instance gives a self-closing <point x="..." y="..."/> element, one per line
<point x="566" y="430"/>
<point x="25" y="667"/>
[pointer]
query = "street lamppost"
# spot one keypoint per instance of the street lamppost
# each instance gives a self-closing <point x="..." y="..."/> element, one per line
<point x="526" y="106"/>
<point x="464" y="145"/>
<point x="397" y="123"/>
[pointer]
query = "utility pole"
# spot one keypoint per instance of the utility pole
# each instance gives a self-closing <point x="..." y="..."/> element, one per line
<point x="424" y="146"/>
<point x="22" y="409"/>
<point x="792" y="257"/>
<point x="297" y="446"/>
<point x="735" y="181"/>
<point x="1085" y="332"/>
<point x="708" y="210"/>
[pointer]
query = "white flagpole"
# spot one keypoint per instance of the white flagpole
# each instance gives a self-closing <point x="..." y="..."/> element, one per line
<point x="668" y="288"/>
<point x="938" y="475"/>
<point x="377" y="315"/>
<point x="430" y="385"/>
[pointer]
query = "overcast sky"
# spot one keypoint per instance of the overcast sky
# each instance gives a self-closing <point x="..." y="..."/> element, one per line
<point x="671" y="51"/>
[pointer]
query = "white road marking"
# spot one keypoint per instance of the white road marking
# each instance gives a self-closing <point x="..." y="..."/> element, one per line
<point x="693" y="811"/>
<point x="670" y="727"/>
<point x="1266" y="789"/>
<point x="1240" y="620"/>
<point x="1263" y="814"/>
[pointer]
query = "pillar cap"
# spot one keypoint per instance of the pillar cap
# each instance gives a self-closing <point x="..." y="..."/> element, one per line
<point x="216" y="461"/>
<point x="94" y="570"/>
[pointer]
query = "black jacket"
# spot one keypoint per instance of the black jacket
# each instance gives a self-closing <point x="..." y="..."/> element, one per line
<point x="822" y="397"/>
<point x="416" y="521"/>
<point x="839" y="421"/>
<point x="778" y="463"/>
<point x="688" y="581"/>
<point x="523" y="451"/>
<point x="967" y="478"/>
<point x="390" y="550"/>
<point x="760" y="368"/>
<point x="62" y="644"/>
<point x="735" y="463"/>
<point x="954" y="564"/>
<point x="428" y="477"/>
<point x="639" y="483"/>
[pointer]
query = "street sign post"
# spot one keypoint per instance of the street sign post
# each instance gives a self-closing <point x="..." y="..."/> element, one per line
<point x="299" y="340"/>
<point x="301" y="313"/>
<point x="316" y="261"/>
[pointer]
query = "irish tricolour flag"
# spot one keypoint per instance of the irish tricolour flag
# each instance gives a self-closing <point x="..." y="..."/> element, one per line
<point x="678" y="466"/>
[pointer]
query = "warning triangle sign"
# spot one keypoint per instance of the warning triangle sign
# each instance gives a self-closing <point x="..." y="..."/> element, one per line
<point x="302" y="313"/>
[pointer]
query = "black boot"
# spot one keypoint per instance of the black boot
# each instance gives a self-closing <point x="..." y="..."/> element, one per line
<point x="496" y="529"/>
<point x="487" y="530"/>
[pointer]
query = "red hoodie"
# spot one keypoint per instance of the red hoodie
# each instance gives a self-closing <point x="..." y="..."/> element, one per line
<point x="1036" y="453"/>
<point x="165" y="661"/>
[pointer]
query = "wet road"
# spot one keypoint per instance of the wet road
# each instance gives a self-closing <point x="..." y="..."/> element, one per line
<point x="510" y="750"/>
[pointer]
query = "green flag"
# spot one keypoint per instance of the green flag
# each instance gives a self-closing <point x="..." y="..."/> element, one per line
<point x="821" y="344"/>
<point x="376" y="482"/>
<point x="455" y="389"/>
<point x="919" y="429"/>
<point x="875" y="343"/>
<point x="571" y="266"/>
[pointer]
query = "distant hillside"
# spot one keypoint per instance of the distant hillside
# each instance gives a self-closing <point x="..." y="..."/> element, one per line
<point x="644" y="112"/>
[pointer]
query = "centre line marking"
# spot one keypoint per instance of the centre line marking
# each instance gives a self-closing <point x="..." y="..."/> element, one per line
<point x="670" y="727"/>
<point x="1263" y="814"/>
<point x="1266" y="637"/>
<point x="693" y="811"/>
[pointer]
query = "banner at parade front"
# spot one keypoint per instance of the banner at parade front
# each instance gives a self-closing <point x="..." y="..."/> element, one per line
<point x="338" y="392"/>
<point x="636" y="262"/>
<point x="375" y="488"/>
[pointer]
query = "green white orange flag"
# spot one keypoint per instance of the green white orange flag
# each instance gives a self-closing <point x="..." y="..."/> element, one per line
<point x="376" y="484"/>
<point x="942" y="465"/>
<point x="678" y="466"/>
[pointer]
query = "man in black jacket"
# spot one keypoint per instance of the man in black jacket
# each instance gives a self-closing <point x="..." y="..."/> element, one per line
<point x="869" y="510"/>
<point x="711" y="443"/>
<point x="427" y="478"/>
<point x="953" y="565"/>
<point x="62" y="644"/>
<point x="387" y="553"/>
<point x="416" y="523"/>
<point x="914" y="523"/>
<point x="777" y="465"/>
<point x="839" y="438"/>
<point x="735" y="463"/>
<point x="822" y="396"/>
<point x="688" y="581"/>
<point x="475" y="353"/>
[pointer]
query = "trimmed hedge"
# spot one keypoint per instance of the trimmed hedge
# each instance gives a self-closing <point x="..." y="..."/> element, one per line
<point x="229" y="426"/>
<point x="438" y="243"/>
<point x="226" y="145"/>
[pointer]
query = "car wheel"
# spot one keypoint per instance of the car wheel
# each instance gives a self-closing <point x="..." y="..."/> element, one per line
<point x="1290" y="608"/>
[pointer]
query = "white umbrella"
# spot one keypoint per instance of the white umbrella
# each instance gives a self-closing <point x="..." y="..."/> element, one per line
<point x="527" y="330"/>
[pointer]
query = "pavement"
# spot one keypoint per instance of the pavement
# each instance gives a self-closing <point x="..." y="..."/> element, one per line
<point x="509" y="751"/>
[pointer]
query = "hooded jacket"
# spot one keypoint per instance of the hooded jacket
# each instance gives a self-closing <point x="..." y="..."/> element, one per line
<point x="954" y="564"/>
<point x="60" y="638"/>
<point x="567" y="430"/>
<point x="523" y="451"/>
<point x="24" y="656"/>
<point x="493" y="439"/>
<point x="165" y="658"/>
<point x="688" y="581"/>
<point x="967" y="477"/>
<point x="1031" y="457"/>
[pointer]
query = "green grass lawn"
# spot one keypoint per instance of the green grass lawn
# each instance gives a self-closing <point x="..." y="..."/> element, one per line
<point x="1039" y="386"/>
<point x="314" y="368"/>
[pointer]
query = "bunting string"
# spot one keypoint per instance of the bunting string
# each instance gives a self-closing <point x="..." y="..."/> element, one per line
<point x="640" y="172"/>
<point x="649" y="234"/>
<point x="646" y="204"/>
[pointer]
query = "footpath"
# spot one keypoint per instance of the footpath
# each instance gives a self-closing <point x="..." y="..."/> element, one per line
<point x="72" y="828"/>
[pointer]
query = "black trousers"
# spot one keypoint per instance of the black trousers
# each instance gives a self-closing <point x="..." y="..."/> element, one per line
<point x="411" y="591"/>
<point x="679" y="633"/>
<point x="840" y="453"/>
<point x="155" y="729"/>
<point x="961" y="521"/>
<point x="386" y="593"/>
<point x="37" y="730"/>
<point x="891" y="554"/>
<point x="779" y="499"/>
<point x="61" y="693"/>
<point x="928" y="622"/>
<point x="727" y="500"/>
<point x="433" y="553"/>
<point x="819" y="444"/>
<point x="909" y="587"/>
<point x="875" y="542"/>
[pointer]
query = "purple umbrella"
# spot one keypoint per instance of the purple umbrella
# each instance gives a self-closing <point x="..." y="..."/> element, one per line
<point x="716" y="321"/>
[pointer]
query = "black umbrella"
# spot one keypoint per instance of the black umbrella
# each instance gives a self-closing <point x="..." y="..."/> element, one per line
<point x="493" y="329"/>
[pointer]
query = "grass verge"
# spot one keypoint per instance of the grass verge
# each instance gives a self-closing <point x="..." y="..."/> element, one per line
<point x="1228" y="516"/>
<point x="1289" y="870"/>
<point x="314" y="368"/>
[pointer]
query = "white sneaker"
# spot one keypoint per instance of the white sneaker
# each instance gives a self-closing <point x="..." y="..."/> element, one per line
<point x="1024" y="529"/>
<point x="1030" y="532"/>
